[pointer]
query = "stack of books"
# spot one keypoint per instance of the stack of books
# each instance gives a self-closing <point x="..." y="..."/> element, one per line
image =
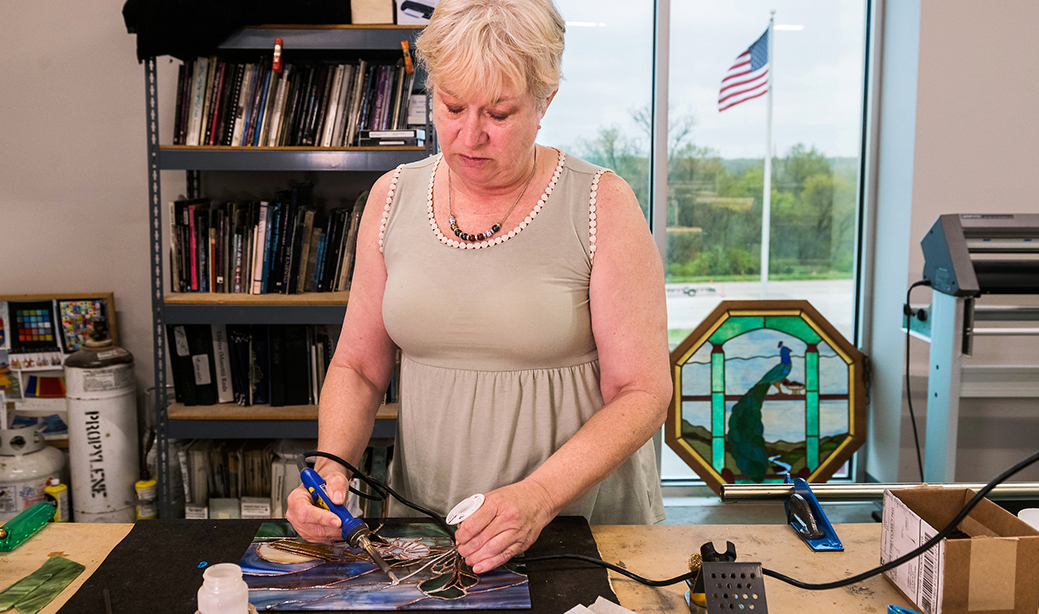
<point x="284" y="246"/>
<point x="321" y="104"/>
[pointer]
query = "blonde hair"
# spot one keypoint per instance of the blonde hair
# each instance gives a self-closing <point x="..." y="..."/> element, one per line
<point x="485" y="46"/>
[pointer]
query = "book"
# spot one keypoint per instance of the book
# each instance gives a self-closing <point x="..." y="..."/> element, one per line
<point x="181" y="365"/>
<point x="198" y="94"/>
<point x="259" y="369"/>
<point x="327" y="123"/>
<point x="219" y="73"/>
<point x="207" y="101"/>
<point x="350" y="248"/>
<point x="220" y="113"/>
<point x="222" y="363"/>
<point x="305" y="238"/>
<point x="342" y="106"/>
<point x="291" y="88"/>
<point x="271" y="96"/>
<point x="234" y="121"/>
<point x="274" y="133"/>
<point x="313" y="119"/>
<point x="278" y="470"/>
<point x="367" y="98"/>
<point x="319" y="265"/>
<point x="406" y="133"/>
<point x="253" y="117"/>
<point x="276" y="250"/>
<point x="178" y="114"/>
<point x="200" y="344"/>
<point x="398" y="88"/>
<point x="261" y="107"/>
<point x="198" y="468"/>
<point x="273" y="215"/>
<point x="239" y="341"/>
<point x="283" y="254"/>
<point x="333" y="240"/>
<point x="405" y="101"/>
<point x="260" y="247"/>
<point x="248" y="76"/>
<point x="357" y="95"/>
<point x="298" y="102"/>
<point x="385" y="142"/>
<point x="307" y="103"/>
<point x="312" y="257"/>
<point x="176" y="272"/>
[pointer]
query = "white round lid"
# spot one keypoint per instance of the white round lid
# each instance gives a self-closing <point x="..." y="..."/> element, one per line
<point x="465" y="509"/>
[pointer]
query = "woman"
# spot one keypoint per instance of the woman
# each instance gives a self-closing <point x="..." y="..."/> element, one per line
<point x="525" y="292"/>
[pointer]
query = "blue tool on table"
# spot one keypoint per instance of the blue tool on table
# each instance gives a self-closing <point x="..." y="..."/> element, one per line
<point x="809" y="521"/>
<point x="355" y="531"/>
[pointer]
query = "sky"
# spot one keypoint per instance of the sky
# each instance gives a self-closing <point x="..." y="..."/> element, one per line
<point x="817" y="72"/>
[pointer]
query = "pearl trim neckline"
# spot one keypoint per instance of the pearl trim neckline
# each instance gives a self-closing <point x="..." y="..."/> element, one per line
<point x="455" y="243"/>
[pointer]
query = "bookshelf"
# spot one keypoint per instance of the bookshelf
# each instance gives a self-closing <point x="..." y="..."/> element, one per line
<point x="228" y="421"/>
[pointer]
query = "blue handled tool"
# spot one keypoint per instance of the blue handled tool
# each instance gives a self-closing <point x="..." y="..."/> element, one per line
<point x="355" y="531"/>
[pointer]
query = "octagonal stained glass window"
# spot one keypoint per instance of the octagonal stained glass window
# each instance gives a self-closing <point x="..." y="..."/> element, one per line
<point x="763" y="389"/>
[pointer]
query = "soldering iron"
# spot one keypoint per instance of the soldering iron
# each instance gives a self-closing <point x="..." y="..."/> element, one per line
<point x="355" y="531"/>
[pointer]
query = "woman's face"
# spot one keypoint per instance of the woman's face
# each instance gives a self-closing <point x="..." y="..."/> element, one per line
<point x="487" y="143"/>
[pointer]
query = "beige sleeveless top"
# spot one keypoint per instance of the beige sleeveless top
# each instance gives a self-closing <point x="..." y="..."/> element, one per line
<point x="499" y="363"/>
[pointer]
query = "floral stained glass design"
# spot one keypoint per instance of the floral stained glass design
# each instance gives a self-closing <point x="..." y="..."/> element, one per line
<point x="286" y="573"/>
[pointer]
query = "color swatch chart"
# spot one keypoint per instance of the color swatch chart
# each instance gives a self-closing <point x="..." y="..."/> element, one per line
<point x="34" y="326"/>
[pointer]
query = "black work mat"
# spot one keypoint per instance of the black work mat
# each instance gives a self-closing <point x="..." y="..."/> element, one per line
<point x="156" y="567"/>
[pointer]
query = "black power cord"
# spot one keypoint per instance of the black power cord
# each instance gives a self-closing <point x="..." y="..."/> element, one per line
<point x="907" y="310"/>
<point x="383" y="489"/>
<point x="949" y="528"/>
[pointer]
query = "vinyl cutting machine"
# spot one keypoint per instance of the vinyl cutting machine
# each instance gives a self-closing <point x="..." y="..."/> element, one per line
<point x="966" y="256"/>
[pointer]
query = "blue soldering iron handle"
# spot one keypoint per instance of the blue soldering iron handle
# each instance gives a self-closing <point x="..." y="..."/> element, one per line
<point x="315" y="485"/>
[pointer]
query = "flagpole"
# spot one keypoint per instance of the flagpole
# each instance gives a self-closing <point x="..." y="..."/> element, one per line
<point x="766" y="199"/>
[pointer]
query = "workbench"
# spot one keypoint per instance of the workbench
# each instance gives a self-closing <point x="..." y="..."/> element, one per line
<point x="656" y="552"/>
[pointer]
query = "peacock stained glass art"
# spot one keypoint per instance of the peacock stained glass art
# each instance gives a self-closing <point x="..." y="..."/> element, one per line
<point x="284" y="572"/>
<point x="763" y="389"/>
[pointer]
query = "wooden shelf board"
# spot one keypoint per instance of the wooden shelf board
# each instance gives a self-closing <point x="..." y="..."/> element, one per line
<point x="216" y="298"/>
<point x="230" y="411"/>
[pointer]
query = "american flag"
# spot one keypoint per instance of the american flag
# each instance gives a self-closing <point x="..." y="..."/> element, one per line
<point x="748" y="76"/>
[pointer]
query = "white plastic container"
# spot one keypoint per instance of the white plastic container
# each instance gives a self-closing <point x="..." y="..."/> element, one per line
<point x="224" y="591"/>
<point x="27" y="463"/>
<point x="102" y="418"/>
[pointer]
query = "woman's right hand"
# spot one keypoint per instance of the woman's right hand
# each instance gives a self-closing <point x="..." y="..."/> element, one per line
<point x="314" y="523"/>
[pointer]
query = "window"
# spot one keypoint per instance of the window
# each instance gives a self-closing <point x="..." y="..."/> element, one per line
<point x="716" y="160"/>
<point x="601" y="113"/>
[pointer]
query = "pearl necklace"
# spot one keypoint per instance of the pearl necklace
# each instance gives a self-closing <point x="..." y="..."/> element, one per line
<point x="487" y="234"/>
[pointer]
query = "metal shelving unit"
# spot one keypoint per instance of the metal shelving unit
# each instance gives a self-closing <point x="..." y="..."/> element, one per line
<point x="172" y="420"/>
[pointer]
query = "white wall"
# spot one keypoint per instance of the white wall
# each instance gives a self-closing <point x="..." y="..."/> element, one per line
<point x="73" y="191"/>
<point x="975" y="148"/>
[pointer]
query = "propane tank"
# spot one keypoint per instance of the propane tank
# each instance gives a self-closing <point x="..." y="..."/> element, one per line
<point x="27" y="464"/>
<point x="102" y="420"/>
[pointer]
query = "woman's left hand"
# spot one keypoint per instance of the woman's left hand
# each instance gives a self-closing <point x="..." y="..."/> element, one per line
<point x="507" y="523"/>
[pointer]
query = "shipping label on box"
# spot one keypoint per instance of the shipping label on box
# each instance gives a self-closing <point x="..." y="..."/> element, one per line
<point x="921" y="579"/>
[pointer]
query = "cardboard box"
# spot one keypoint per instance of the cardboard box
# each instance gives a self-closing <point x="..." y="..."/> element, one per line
<point x="371" y="11"/>
<point x="991" y="567"/>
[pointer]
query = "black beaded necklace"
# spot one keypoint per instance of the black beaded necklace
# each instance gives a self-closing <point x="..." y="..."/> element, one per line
<point x="487" y="234"/>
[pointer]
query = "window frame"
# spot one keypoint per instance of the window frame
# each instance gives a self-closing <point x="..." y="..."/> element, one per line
<point x="865" y="224"/>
